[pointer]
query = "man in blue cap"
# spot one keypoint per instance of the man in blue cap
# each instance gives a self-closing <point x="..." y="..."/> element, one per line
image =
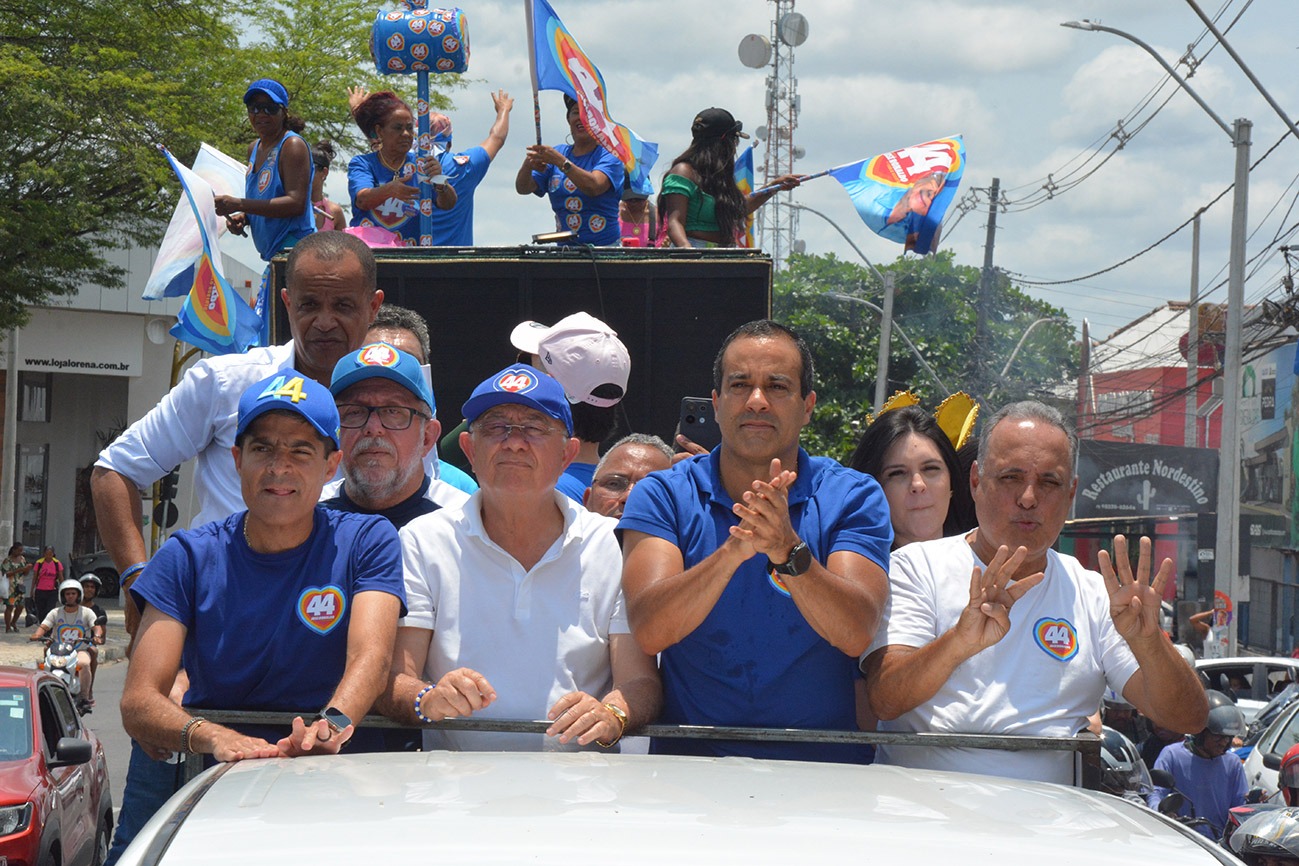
<point x="388" y="424"/>
<point x="515" y="604"/>
<point x="314" y="595"/>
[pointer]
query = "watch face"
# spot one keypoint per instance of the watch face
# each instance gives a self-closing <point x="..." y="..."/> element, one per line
<point x="335" y="718"/>
<point x="800" y="559"/>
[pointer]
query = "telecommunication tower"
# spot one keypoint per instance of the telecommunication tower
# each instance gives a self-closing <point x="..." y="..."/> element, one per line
<point x="777" y="226"/>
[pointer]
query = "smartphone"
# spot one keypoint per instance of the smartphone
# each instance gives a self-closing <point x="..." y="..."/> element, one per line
<point x="698" y="424"/>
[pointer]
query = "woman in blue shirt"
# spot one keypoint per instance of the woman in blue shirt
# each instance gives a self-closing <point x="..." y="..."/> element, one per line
<point x="277" y="193"/>
<point x="584" y="182"/>
<point x="384" y="183"/>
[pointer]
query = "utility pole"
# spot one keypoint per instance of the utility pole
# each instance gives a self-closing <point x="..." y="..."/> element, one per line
<point x="1193" y="339"/>
<point x="9" y="453"/>
<point x="985" y="291"/>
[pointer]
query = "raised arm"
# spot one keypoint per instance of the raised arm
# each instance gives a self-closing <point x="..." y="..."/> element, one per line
<point x="900" y="678"/>
<point x="1164" y="687"/>
<point x="500" y="130"/>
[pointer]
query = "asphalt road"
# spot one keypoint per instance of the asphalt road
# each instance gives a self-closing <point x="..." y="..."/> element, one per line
<point x="106" y="722"/>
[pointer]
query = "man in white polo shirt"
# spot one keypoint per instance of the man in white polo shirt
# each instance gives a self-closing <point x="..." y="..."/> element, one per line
<point x="515" y="603"/>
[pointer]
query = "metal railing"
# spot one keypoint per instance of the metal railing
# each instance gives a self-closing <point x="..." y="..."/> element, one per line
<point x="1086" y="745"/>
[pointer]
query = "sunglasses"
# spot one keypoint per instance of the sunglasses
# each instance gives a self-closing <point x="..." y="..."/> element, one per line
<point x="263" y="108"/>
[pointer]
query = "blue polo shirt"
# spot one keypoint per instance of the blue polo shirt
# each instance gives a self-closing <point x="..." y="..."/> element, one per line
<point x="754" y="660"/>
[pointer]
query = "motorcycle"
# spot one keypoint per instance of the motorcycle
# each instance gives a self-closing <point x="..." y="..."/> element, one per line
<point x="61" y="660"/>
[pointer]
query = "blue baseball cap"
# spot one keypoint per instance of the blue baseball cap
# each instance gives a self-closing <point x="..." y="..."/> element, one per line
<point x="271" y="88"/>
<point x="385" y="362"/>
<point x="524" y="385"/>
<point x="290" y="390"/>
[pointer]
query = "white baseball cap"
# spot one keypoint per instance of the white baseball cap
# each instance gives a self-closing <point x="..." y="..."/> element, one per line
<point x="581" y="352"/>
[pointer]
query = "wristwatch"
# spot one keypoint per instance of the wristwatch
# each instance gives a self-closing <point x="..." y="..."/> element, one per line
<point x="566" y="166"/>
<point x="335" y="718"/>
<point x="799" y="561"/>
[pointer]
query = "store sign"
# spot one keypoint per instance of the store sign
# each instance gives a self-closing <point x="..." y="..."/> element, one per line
<point x="77" y="341"/>
<point x="1119" y="479"/>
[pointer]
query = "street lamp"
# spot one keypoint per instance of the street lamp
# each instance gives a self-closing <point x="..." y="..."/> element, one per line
<point x="886" y="319"/>
<point x="1227" y="556"/>
<point x="1001" y="377"/>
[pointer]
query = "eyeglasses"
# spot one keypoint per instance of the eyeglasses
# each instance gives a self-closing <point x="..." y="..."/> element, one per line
<point x="263" y="108"/>
<point x="499" y="432"/>
<point x="614" y="484"/>
<point x="352" y="416"/>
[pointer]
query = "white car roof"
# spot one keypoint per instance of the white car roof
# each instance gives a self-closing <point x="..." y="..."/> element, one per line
<point x="645" y="810"/>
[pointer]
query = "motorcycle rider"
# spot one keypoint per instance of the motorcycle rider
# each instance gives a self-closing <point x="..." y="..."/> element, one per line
<point x="1269" y="838"/>
<point x="74" y="624"/>
<point x="90" y="584"/>
<point x="1212" y="780"/>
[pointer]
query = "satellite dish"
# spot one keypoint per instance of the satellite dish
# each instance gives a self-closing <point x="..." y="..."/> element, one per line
<point x="799" y="246"/>
<point x="792" y="29"/>
<point x="760" y="133"/>
<point x="799" y="153"/>
<point x="755" y="51"/>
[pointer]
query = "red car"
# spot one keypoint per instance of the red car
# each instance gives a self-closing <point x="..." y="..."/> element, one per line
<point x="55" y="803"/>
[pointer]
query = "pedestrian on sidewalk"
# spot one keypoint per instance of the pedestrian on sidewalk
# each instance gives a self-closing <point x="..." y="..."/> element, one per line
<point x="13" y="570"/>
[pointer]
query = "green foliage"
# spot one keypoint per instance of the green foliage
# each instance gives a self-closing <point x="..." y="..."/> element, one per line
<point x="934" y="305"/>
<point x="91" y="90"/>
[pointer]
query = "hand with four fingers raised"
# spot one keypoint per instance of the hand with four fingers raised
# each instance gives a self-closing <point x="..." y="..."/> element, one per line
<point x="993" y="592"/>
<point x="1134" y="600"/>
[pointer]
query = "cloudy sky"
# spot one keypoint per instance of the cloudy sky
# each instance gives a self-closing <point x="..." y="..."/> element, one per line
<point x="1033" y="99"/>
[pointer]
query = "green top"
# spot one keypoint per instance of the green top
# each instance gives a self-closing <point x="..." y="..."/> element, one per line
<point x="701" y="209"/>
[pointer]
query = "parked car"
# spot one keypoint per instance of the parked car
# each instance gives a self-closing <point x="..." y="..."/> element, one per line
<point x="101" y="564"/>
<point x="55" y="802"/>
<point x="1264" y="762"/>
<point x="1252" y="680"/>
<point x="548" y="809"/>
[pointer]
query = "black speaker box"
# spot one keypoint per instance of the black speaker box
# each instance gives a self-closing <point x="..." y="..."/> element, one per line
<point x="672" y="309"/>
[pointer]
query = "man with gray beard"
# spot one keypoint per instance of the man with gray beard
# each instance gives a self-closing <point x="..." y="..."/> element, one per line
<point x="387" y="425"/>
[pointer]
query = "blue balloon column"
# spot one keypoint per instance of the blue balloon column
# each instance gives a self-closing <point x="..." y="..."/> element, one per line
<point x="414" y="39"/>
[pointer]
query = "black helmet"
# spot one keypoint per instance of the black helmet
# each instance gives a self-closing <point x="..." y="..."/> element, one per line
<point x="92" y="578"/>
<point x="1123" y="773"/>
<point x="1227" y="721"/>
<point x="1274" y="833"/>
<point x="1219" y="699"/>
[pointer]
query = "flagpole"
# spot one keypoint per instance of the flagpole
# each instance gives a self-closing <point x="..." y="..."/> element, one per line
<point x="532" y="66"/>
<point x="802" y="179"/>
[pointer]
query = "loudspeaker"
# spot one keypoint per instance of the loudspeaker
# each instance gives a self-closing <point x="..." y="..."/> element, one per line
<point x="671" y="308"/>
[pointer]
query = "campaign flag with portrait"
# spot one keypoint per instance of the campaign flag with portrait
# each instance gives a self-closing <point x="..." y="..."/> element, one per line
<point x="903" y="195"/>
<point x="558" y="63"/>
<point x="213" y="317"/>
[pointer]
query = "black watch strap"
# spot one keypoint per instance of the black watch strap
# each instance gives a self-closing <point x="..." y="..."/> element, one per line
<point x="799" y="561"/>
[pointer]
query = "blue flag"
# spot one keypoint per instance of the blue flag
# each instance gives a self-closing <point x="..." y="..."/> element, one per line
<point x="903" y="195"/>
<point x="213" y="316"/>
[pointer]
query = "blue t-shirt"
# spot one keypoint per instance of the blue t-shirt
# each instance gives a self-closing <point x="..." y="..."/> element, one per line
<point x="272" y="234"/>
<point x="754" y="660"/>
<point x="269" y="631"/>
<point x="576" y="478"/>
<point x="1212" y="785"/>
<point x="455" y="227"/>
<point x="595" y="219"/>
<point x="367" y="171"/>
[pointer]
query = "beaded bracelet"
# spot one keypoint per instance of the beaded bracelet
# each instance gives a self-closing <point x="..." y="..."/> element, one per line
<point x="130" y="573"/>
<point x="422" y="692"/>
<point x="185" y="733"/>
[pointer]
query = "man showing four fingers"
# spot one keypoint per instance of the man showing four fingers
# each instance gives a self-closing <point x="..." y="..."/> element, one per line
<point x="950" y="657"/>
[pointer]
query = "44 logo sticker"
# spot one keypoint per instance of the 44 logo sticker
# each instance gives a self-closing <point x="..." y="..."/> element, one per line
<point x="321" y="608"/>
<point x="1056" y="637"/>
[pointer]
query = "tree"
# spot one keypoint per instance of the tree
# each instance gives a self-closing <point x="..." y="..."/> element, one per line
<point x="934" y="303"/>
<point x="91" y="90"/>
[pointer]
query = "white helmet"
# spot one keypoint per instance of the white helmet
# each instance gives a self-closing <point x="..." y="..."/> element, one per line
<point x="71" y="583"/>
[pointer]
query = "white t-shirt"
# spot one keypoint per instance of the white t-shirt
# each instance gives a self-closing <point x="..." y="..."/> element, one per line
<point x="535" y="635"/>
<point x="197" y="418"/>
<point x="1044" y="678"/>
<point x="76" y="628"/>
